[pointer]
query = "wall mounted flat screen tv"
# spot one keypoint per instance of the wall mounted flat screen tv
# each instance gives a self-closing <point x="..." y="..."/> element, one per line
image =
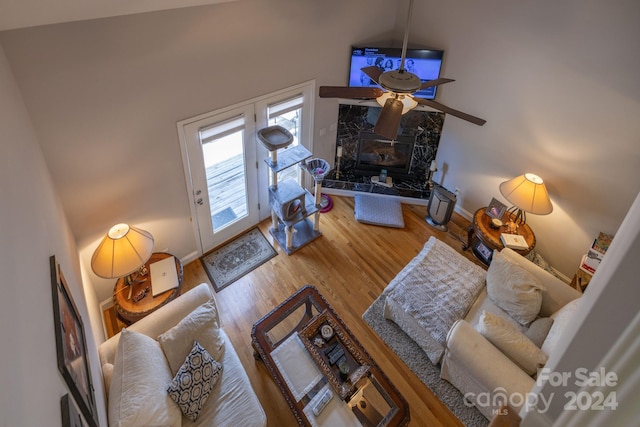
<point x="425" y="63"/>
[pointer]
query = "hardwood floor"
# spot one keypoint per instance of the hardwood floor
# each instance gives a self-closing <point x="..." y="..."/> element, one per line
<point x="350" y="265"/>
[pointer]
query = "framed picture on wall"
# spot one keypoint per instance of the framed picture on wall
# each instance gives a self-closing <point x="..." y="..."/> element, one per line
<point x="70" y="416"/>
<point x="71" y="345"/>
<point x="496" y="209"/>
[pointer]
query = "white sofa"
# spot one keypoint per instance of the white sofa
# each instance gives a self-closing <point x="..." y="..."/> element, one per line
<point x="232" y="401"/>
<point x="477" y="367"/>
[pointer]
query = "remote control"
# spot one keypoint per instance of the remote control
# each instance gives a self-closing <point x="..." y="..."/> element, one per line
<point x="335" y="355"/>
<point x="330" y="349"/>
<point x="322" y="403"/>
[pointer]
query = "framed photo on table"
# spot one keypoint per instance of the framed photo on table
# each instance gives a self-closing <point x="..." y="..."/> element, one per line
<point x="496" y="209"/>
<point x="71" y="345"/>
<point x="482" y="251"/>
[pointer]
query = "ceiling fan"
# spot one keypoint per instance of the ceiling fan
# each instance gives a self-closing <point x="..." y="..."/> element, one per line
<point x="397" y="97"/>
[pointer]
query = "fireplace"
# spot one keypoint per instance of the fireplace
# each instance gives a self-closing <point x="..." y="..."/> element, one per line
<point x="407" y="162"/>
<point x="375" y="153"/>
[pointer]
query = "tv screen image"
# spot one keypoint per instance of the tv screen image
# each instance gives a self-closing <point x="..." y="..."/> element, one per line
<point x="425" y="63"/>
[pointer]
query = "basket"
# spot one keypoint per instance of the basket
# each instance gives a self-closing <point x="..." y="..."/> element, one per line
<point x="318" y="168"/>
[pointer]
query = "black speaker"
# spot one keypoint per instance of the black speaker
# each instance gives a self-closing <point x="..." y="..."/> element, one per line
<point x="440" y="209"/>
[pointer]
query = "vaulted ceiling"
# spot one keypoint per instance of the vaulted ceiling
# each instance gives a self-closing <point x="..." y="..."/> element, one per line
<point x="29" y="13"/>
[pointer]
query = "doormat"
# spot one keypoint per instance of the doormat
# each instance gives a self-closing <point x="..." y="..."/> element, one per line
<point x="223" y="217"/>
<point x="242" y="255"/>
<point x="416" y="359"/>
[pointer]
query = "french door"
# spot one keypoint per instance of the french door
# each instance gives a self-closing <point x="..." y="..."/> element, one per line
<point x="225" y="171"/>
<point x="221" y="157"/>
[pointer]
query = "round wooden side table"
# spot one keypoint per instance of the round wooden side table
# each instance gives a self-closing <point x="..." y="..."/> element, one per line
<point x="130" y="310"/>
<point x="483" y="238"/>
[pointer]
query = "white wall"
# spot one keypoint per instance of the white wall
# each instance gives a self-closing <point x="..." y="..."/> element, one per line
<point x="105" y="96"/>
<point x="34" y="227"/>
<point x="557" y="83"/>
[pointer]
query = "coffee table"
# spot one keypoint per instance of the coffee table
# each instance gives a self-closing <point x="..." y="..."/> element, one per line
<point x="308" y="365"/>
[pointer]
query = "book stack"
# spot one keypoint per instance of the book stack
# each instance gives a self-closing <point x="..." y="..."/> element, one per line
<point x="513" y="241"/>
<point x="591" y="260"/>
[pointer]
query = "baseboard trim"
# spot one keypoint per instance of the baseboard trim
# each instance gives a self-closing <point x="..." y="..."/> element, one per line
<point x="560" y="275"/>
<point x="190" y="257"/>
<point x="352" y="193"/>
<point x="464" y="213"/>
<point x="103" y="306"/>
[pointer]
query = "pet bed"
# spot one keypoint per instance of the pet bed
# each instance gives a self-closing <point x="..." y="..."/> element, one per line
<point x="379" y="210"/>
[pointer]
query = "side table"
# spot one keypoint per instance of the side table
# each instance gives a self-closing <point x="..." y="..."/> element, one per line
<point x="130" y="311"/>
<point x="483" y="238"/>
<point x="580" y="280"/>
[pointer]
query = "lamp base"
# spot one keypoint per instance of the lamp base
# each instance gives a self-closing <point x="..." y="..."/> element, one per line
<point x="519" y="214"/>
<point x="136" y="277"/>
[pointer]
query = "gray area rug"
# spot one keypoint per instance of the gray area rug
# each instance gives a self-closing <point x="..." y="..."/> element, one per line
<point x="416" y="359"/>
<point x="227" y="264"/>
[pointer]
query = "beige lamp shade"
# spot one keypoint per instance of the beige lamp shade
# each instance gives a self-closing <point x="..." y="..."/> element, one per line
<point x="528" y="193"/>
<point x="122" y="251"/>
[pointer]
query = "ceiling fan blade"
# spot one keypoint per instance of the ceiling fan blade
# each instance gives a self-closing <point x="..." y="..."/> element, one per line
<point x="436" y="82"/>
<point x="349" y="92"/>
<point x="459" y="114"/>
<point x="389" y="119"/>
<point x="373" y="72"/>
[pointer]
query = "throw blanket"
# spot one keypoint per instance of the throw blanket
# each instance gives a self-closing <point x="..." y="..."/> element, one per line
<point x="435" y="289"/>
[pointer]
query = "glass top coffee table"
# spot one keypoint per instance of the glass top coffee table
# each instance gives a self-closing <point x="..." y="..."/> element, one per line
<point x="324" y="373"/>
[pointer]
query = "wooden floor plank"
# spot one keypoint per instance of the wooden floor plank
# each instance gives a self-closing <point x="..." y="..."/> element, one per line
<point x="350" y="264"/>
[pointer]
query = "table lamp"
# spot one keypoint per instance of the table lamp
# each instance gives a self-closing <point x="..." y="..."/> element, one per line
<point x="123" y="252"/>
<point x="527" y="193"/>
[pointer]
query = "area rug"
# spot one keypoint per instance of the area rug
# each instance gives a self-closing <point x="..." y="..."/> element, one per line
<point x="242" y="255"/>
<point x="416" y="359"/>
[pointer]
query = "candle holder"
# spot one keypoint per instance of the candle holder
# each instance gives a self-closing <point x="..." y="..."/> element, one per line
<point x="432" y="169"/>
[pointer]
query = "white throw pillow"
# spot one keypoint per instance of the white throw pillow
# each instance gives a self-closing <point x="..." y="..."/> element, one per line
<point x="514" y="289"/>
<point x="138" y="392"/>
<point x="194" y="381"/>
<point x="513" y="343"/>
<point x="561" y="319"/>
<point x="200" y="325"/>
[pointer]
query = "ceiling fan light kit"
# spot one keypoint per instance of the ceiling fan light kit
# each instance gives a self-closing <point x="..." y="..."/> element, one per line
<point x="408" y="103"/>
<point x="397" y="99"/>
<point x="400" y="81"/>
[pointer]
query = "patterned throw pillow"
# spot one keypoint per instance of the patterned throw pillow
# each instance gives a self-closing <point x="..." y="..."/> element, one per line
<point x="194" y="381"/>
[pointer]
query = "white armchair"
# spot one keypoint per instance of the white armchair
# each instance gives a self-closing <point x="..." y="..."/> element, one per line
<point x="478" y="368"/>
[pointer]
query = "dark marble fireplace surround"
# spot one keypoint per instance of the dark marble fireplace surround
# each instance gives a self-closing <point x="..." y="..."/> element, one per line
<point x="424" y="126"/>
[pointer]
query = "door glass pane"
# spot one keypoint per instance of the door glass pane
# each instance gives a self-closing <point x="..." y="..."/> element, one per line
<point x="226" y="180"/>
<point x="291" y="121"/>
